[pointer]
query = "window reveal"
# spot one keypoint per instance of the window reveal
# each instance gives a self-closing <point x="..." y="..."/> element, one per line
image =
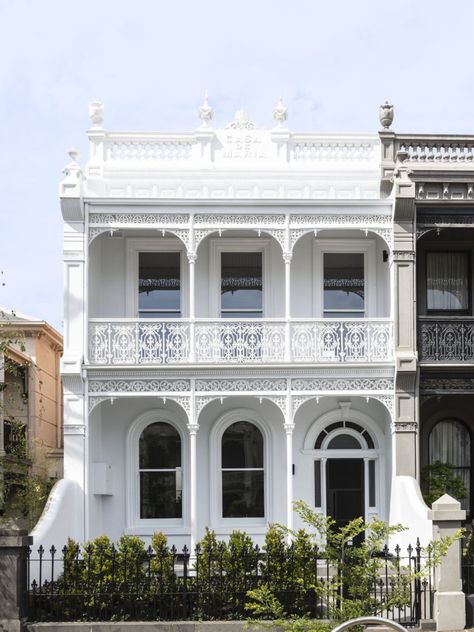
<point x="447" y="281"/>
<point x="242" y="471"/>
<point x="241" y="285"/>
<point x="344" y="285"/>
<point x="160" y="472"/>
<point x="159" y="285"/>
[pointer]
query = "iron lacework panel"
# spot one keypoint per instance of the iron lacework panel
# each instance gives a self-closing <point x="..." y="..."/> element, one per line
<point x="116" y="583"/>
<point x="449" y="340"/>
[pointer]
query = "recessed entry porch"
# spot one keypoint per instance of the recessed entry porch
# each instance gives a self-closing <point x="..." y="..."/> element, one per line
<point x="245" y="470"/>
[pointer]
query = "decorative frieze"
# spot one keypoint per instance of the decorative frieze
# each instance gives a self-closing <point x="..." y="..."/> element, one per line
<point x="446" y="385"/>
<point x="139" y="386"/>
<point x="329" y="384"/>
<point x="262" y="385"/>
<point x="287" y="229"/>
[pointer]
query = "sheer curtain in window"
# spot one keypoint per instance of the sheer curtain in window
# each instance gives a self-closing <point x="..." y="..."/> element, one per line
<point x="450" y="443"/>
<point x="447" y="281"/>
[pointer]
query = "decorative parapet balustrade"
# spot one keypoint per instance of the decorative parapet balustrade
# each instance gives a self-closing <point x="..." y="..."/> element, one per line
<point x="447" y="340"/>
<point x="436" y="148"/>
<point x="153" y="342"/>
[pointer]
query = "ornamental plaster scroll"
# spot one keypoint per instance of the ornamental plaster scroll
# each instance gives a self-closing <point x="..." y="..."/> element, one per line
<point x="404" y="426"/>
<point x="403" y="255"/>
<point x="74" y="429"/>
<point x="298" y="400"/>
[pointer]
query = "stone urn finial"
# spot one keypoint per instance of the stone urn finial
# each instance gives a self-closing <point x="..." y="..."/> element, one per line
<point x="386" y="115"/>
<point x="205" y="112"/>
<point x="96" y="113"/>
<point x="280" y="113"/>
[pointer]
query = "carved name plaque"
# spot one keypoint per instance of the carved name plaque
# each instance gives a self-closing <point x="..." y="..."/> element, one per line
<point x="243" y="146"/>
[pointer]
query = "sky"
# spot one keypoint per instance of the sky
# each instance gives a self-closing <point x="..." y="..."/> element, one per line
<point x="150" y="61"/>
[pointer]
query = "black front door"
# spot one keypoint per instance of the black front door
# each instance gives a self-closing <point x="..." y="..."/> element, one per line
<point x="345" y="489"/>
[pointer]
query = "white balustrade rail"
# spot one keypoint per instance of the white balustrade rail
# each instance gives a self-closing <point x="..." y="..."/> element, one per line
<point x="252" y="341"/>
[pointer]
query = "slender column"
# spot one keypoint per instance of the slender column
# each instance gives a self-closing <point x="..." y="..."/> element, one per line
<point x="289" y="475"/>
<point x="192" y="307"/>
<point x="287" y="257"/>
<point x="193" y="428"/>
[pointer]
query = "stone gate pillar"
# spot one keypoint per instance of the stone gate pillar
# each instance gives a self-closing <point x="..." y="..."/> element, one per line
<point x="13" y="576"/>
<point x="449" y="599"/>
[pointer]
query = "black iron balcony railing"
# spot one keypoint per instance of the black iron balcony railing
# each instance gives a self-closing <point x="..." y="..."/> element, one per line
<point x="446" y="339"/>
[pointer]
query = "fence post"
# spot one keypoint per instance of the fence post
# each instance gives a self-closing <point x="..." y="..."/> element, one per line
<point x="14" y="543"/>
<point x="449" y="600"/>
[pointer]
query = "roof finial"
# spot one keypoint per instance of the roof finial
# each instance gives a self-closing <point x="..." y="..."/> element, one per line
<point x="96" y="113"/>
<point x="205" y="112"/>
<point x="280" y="112"/>
<point x="386" y="115"/>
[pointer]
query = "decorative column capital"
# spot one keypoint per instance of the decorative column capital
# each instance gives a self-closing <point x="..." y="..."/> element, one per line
<point x="192" y="256"/>
<point x="287" y="257"/>
<point x="193" y="429"/>
<point x="289" y="428"/>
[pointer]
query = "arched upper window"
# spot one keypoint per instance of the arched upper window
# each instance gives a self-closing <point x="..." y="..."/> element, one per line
<point x="342" y="440"/>
<point x="161" y="481"/>
<point x="450" y="443"/>
<point x="243" y="471"/>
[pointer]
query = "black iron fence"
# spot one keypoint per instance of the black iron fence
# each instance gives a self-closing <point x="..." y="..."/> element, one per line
<point x="129" y="583"/>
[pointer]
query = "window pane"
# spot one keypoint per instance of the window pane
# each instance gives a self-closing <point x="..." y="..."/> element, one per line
<point x="450" y="443"/>
<point x="344" y="284"/>
<point x="243" y="494"/>
<point x="371" y="483"/>
<point x="344" y="442"/>
<point x="159" y="284"/>
<point x="242" y="446"/>
<point x="160" y="494"/>
<point x="160" y="447"/>
<point x="447" y="278"/>
<point x="317" y="483"/>
<point x="241" y="284"/>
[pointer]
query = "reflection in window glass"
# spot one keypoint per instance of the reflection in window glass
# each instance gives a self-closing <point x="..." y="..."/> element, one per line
<point x="447" y="281"/>
<point x="160" y="472"/>
<point x="344" y="285"/>
<point x="343" y="442"/>
<point x="450" y="443"/>
<point x="159" y="285"/>
<point x="241" y="284"/>
<point x="242" y="472"/>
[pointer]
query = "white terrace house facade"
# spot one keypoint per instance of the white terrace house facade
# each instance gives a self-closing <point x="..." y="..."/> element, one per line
<point x="236" y="334"/>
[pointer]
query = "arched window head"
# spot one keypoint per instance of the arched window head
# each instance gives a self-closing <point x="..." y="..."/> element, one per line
<point x="345" y="441"/>
<point x="450" y="443"/>
<point x="160" y="472"/>
<point x="242" y="471"/>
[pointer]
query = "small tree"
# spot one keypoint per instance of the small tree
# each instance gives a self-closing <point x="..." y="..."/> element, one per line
<point x="438" y="479"/>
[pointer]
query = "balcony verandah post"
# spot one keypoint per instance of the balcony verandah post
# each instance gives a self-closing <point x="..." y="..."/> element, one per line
<point x="287" y="257"/>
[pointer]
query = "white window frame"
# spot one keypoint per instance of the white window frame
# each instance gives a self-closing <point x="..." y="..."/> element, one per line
<point x="218" y="522"/>
<point x="376" y="454"/>
<point x="345" y="246"/>
<point x="147" y="526"/>
<point x="134" y="246"/>
<point x="234" y="244"/>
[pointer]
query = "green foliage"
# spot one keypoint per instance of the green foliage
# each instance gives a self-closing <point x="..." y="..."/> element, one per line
<point x="438" y="479"/>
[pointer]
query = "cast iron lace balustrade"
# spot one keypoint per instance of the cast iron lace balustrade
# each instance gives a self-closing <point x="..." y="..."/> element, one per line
<point x="446" y="339"/>
<point x="225" y="341"/>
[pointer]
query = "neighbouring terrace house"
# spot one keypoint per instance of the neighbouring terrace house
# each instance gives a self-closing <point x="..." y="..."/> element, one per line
<point x="438" y="212"/>
<point x="239" y="332"/>
<point x="31" y="432"/>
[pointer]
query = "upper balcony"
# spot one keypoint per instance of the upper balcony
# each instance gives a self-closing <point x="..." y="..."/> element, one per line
<point x="222" y="341"/>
